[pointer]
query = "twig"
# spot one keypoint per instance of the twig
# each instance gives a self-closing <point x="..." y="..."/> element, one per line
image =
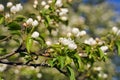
<point x="22" y="64"/>
<point x="7" y="55"/>
<point x="10" y="54"/>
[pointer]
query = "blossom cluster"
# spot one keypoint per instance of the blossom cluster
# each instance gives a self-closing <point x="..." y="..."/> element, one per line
<point x="116" y="30"/>
<point x="68" y="42"/>
<point x="32" y="22"/>
<point x="78" y="33"/>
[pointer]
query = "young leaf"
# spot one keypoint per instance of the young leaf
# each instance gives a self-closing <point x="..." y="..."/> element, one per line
<point x="78" y="62"/>
<point x="1" y="19"/>
<point x="68" y="60"/>
<point x="61" y="61"/>
<point x="14" y="26"/>
<point x="52" y="61"/>
<point x="71" y="73"/>
<point x="20" y="18"/>
<point x="101" y="53"/>
<point x="29" y="42"/>
<point x="118" y="46"/>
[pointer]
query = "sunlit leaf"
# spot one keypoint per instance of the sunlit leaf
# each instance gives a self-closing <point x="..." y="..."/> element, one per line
<point x="1" y="19"/>
<point x="61" y="60"/>
<point x="118" y="46"/>
<point x="71" y="73"/>
<point x="68" y="60"/>
<point x="29" y="42"/>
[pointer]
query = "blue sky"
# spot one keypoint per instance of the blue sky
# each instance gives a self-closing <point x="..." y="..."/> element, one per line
<point x="116" y="4"/>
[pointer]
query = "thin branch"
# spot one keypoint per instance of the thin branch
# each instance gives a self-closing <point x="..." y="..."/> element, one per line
<point x="23" y="64"/>
<point x="63" y="72"/>
<point x="7" y="55"/>
<point x="10" y="54"/>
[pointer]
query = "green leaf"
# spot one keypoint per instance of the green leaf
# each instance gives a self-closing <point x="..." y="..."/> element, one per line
<point x="2" y="51"/>
<point x="23" y="54"/>
<point x="101" y="53"/>
<point x="118" y="46"/>
<point x="14" y="26"/>
<point x="68" y="60"/>
<point x="71" y="73"/>
<point x="1" y="19"/>
<point x="29" y="42"/>
<point x="16" y="32"/>
<point x="52" y="61"/>
<point x="87" y="49"/>
<point x="41" y="41"/>
<point x="61" y="61"/>
<point x="78" y="62"/>
<point x="20" y="18"/>
<point x="47" y="19"/>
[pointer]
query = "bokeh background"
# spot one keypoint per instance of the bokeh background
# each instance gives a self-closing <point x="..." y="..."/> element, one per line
<point x="96" y="16"/>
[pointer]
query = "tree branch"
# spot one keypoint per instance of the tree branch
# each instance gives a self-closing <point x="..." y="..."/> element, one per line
<point x="22" y="64"/>
<point x="7" y="55"/>
<point x="10" y="54"/>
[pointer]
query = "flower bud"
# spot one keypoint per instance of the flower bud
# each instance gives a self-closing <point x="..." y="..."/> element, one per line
<point x="115" y="29"/>
<point x="9" y="4"/>
<point x="35" y="34"/>
<point x="72" y="46"/>
<point x="104" y="48"/>
<point x="49" y="1"/>
<point x="59" y="3"/>
<point x="46" y="6"/>
<point x="1" y="8"/>
<point x="75" y="31"/>
<point x="29" y="21"/>
<point x="43" y="3"/>
<point x="35" y="23"/>
<point x="13" y="9"/>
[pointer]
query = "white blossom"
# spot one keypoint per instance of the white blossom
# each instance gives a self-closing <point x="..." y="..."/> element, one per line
<point x="68" y="42"/>
<point x="36" y="2"/>
<point x="69" y="34"/>
<point x="9" y="4"/>
<point x="64" y="18"/>
<point x="35" y="23"/>
<point x="16" y="71"/>
<point x="39" y="75"/>
<point x="43" y="3"/>
<point x="59" y="3"/>
<point x="90" y="41"/>
<point x="81" y="33"/>
<point x="19" y="7"/>
<point x="49" y="1"/>
<point x="35" y="6"/>
<point x="1" y="7"/>
<point x="29" y="21"/>
<point x="97" y="68"/>
<point x="2" y="67"/>
<point x="72" y="46"/>
<point x="35" y="34"/>
<point x="63" y="11"/>
<point x="104" y="48"/>
<point x="7" y="15"/>
<point x="115" y="29"/>
<point x="38" y="18"/>
<point x="48" y="42"/>
<point x="103" y="75"/>
<point x="64" y="41"/>
<point x="118" y="32"/>
<point x="13" y="9"/>
<point x="46" y="7"/>
<point x="75" y="31"/>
